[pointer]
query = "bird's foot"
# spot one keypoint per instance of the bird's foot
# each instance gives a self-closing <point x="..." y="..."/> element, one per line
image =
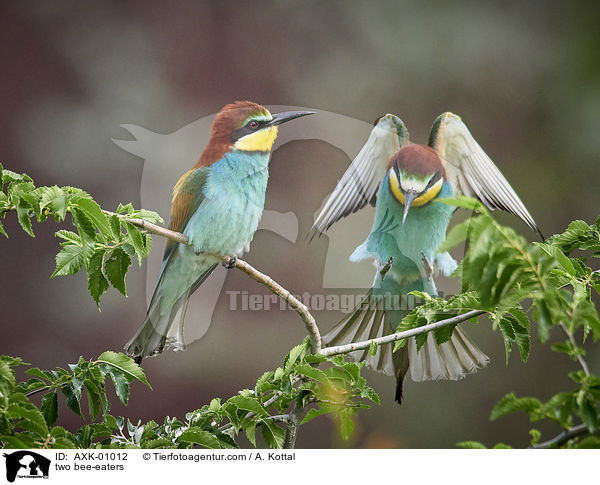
<point x="230" y="263"/>
<point x="385" y="268"/>
<point x="428" y="265"/>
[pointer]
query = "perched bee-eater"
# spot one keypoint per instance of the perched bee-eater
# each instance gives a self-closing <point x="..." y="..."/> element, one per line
<point x="217" y="205"/>
<point x="403" y="180"/>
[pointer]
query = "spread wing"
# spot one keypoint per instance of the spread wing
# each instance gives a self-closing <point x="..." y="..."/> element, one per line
<point x="470" y="171"/>
<point x="359" y="184"/>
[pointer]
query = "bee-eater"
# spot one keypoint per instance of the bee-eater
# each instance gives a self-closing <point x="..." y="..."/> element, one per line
<point x="217" y="205"/>
<point x="403" y="181"/>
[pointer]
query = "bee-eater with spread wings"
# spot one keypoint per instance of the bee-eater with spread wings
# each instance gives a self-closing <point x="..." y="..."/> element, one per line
<point x="217" y="205"/>
<point x="403" y="180"/>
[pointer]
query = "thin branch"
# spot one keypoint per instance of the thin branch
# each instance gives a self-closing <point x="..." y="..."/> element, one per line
<point x="580" y="358"/>
<point x="281" y="292"/>
<point x="35" y="391"/>
<point x="563" y="437"/>
<point x="344" y="349"/>
<point x="282" y="418"/>
<point x="276" y="288"/>
<point x="152" y="228"/>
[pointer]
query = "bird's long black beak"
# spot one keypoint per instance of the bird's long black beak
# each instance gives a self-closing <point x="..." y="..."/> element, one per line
<point x="409" y="198"/>
<point x="279" y="118"/>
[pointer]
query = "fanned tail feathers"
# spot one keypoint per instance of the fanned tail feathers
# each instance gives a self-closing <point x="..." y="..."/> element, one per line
<point x="452" y="360"/>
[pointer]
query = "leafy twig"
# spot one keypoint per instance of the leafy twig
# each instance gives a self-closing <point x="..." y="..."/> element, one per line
<point x="580" y="358"/>
<point x="344" y="349"/>
<point x="563" y="437"/>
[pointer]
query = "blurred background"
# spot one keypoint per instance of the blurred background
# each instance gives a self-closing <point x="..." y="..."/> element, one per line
<point x="524" y="76"/>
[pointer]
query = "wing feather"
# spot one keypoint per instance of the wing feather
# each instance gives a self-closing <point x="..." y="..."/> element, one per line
<point x="360" y="183"/>
<point x="470" y="171"/>
<point x="188" y="194"/>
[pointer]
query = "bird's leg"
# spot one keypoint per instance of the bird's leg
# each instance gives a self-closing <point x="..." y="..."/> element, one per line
<point x="428" y="266"/>
<point x="230" y="263"/>
<point x="385" y="268"/>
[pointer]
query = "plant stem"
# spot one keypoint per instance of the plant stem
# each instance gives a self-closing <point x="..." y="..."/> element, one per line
<point x="343" y="349"/>
<point x="276" y="288"/>
<point x="563" y="437"/>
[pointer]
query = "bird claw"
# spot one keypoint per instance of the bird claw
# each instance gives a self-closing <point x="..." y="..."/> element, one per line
<point x="230" y="263"/>
<point x="427" y="264"/>
<point x="385" y="268"/>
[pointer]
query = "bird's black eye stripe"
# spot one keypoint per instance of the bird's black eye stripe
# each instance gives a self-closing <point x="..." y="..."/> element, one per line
<point x="433" y="180"/>
<point x="250" y="127"/>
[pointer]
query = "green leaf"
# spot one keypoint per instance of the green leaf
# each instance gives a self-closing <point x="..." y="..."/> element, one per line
<point x="373" y="349"/>
<point x="313" y="413"/>
<point x="116" y="269"/>
<point x="557" y="254"/>
<point x="346" y="425"/>
<point x="83" y="223"/>
<point x="312" y="372"/>
<point x="50" y="408"/>
<point x="55" y="199"/>
<point x="455" y="236"/>
<point x="589" y="442"/>
<point x="30" y="418"/>
<point x="135" y="238"/>
<point x="72" y="401"/>
<point x="443" y="334"/>
<point x="199" y="437"/>
<point x="272" y="434"/>
<point x="586" y="313"/>
<point x="7" y="375"/>
<point x="535" y="435"/>
<point x="69" y="237"/>
<point x="97" y="283"/>
<point x="24" y="219"/>
<point x="63" y="443"/>
<point x="115" y="225"/>
<point x="158" y="443"/>
<point x="120" y="381"/>
<point x="150" y="216"/>
<point x="292" y="356"/>
<point x="124" y="364"/>
<point x="369" y="393"/>
<point x="472" y="445"/>
<point x="94" y="396"/>
<point x="420" y="339"/>
<point x="589" y="415"/>
<point x="94" y="213"/>
<point x="511" y="403"/>
<point x="2" y="231"/>
<point x="248" y="404"/>
<point x="250" y="431"/>
<point x="69" y="260"/>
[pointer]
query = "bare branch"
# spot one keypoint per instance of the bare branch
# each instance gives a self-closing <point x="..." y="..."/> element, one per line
<point x="344" y="349"/>
<point x="281" y="292"/>
<point x="563" y="437"/>
<point x="276" y="288"/>
<point x="152" y="228"/>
